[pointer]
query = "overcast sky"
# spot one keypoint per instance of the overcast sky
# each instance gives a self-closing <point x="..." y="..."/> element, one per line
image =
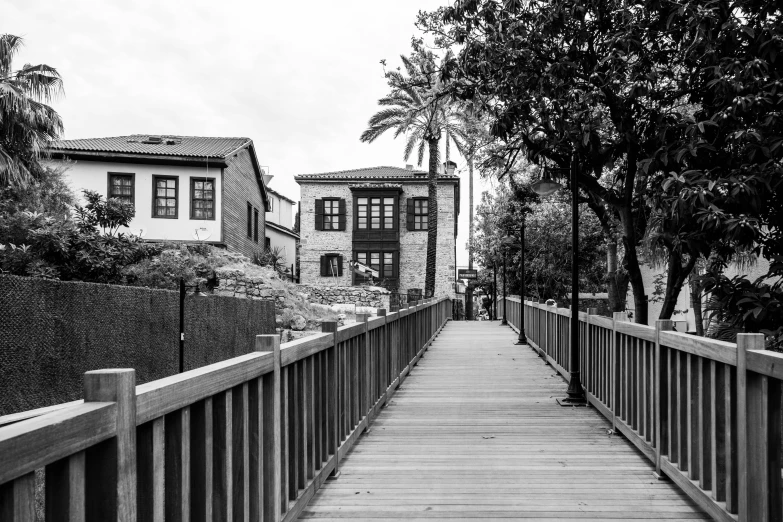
<point x="300" y="78"/>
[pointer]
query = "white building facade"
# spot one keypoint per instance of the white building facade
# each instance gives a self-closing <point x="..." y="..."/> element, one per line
<point x="183" y="188"/>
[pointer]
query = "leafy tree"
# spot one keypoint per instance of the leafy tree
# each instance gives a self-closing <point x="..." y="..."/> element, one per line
<point x="27" y="123"/>
<point x="563" y="79"/>
<point x="722" y="188"/>
<point x="547" y="242"/>
<point x="39" y="245"/>
<point x="415" y="107"/>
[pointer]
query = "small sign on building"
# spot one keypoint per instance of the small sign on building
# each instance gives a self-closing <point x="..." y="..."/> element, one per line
<point x="467" y="273"/>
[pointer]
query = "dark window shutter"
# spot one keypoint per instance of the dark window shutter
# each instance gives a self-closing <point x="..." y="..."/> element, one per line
<point x="339" y="265"/>
<point x="319" y="214"/>
<point x="324" y="266"/>
<point x="409" y="214"/>
<point x="341" y="215"/>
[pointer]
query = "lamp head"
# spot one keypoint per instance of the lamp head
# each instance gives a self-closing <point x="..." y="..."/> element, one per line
<point x="546" y="186"/>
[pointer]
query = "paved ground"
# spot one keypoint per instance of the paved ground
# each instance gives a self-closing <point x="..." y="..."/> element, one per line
<point x="475" y="433"/>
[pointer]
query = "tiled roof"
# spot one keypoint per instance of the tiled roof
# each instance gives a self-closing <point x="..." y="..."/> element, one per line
<point x="155" y="144"/>
<point x="368" y="173"/>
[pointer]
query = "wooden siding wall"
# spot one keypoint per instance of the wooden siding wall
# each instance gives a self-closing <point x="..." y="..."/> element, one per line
<point x="247" y="439"/>
<point x="706" y="412"/>
<point x="240" y="187"/>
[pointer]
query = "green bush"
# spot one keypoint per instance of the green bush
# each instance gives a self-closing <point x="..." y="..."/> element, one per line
<point x="60" y="247"/>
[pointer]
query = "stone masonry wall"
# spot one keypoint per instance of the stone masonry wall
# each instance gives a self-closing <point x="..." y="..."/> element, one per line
<point x="319" y="242"/>
<point x="359" y="295"/>
<point x="413" y="244"/>
<point x="235" y="283"/>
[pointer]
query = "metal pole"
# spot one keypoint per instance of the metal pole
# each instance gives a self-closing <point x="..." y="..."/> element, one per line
<point x="182" y="291"/>
<point x="495" y="290"/>
<point x="576" y="395"/>
<point x="504" y="322"/>
<point x="522" y="339"/>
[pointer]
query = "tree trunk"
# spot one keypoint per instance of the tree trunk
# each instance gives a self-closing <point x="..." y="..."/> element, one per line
<point x="698" y="314"/>
<point x="633" y="267"/>
<point x="674" y="280"/>
<point x="432" y="219"/>
<point x="616" y="301"/>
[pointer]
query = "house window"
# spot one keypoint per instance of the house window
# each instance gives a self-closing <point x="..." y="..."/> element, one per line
<point x="121" y="186"/>
<point x="383" y="262"/>
<point x="420" y="214"/>
<point x="331" y="214"/>
<point x="202" y="198"/>
<point x="267" y="243"/>
<point x="165" y="192"/>
<point x="255" y="225"/>
<point x="249" y="221"/>
<point x="375" y="213"/>
<point x="331" y="265"/>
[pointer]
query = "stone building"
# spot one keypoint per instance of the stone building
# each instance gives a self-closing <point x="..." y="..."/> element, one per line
<point x="377" y="216"/>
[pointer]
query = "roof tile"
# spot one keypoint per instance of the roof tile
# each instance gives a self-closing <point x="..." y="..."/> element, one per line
<point x="194" y="146"/>
<point x="368" y="173"/>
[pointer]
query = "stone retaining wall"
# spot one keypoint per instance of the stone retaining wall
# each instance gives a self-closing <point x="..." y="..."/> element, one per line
<point x="372" y="297"/>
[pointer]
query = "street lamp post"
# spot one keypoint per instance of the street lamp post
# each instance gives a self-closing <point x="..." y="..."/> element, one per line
<point x="504" y="322"/>
<point x="495" y="290"/>
<point x="522" y="339"/>
<point x="183" y="290"/>
<point x="546" y="187"/>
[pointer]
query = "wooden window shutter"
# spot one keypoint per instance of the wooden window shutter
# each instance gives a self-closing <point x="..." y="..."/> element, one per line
<point x="340" y="264"/>
<point x="409" y="215"/>
<point x="319" y="216"/>
<point x="324" y="266"/>
<point x="341" y="216"/>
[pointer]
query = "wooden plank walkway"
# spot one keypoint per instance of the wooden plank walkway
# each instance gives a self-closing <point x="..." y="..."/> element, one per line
<point x="475" y="433"/>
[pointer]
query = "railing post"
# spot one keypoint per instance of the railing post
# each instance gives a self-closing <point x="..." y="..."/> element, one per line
<point x="660" y="395"/>
<point x="363" y="318"/>
<point x="334" y="401"/>
<point x="758" y="438"/>
<point x="272" y="454"/>
<point x="586" y="360"/>
<point x="383" y="355"/>
<point x="615" y="367"/>
<point x="111" y="465"/>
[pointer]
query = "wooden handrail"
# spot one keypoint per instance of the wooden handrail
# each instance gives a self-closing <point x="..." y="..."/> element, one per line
<point x="256" y="434"/>
<point x="706" y="412"/>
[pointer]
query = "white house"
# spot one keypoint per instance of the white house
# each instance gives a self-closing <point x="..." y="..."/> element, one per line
<point x="184" y="188"/>
<point x="280" y="226"/>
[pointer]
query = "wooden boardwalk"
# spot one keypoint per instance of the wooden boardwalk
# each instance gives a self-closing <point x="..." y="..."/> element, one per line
<point x="475" y="433"/>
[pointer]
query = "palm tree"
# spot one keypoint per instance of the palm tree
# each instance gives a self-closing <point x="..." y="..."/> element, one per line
<point x="417" y="107"/>
<point x="27" y="124"/>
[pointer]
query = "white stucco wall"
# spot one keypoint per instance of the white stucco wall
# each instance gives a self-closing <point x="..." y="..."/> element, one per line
<point x="760" y="268"/>
<point x="283" y="241"/>
<point x="93" y="175"/>
<point x="282" y="212"/>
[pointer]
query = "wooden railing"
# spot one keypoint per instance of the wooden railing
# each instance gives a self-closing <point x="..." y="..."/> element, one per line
<point x="248" y="439"/>
<point x="706" y="412"/>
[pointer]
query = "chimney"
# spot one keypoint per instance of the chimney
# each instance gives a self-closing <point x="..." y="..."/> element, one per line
<point x="408" y="167"/>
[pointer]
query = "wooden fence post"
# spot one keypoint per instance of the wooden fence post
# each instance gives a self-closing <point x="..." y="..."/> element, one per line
<point x="758" y="438"/>
<point x="334" y="399"/>
<point x="271" y="451"/>
<point x="587" y="358"/>
<point x="615" y="368"/>
<point x="367" y="370"/>
<point x="111" y="465"/>
<point x="660" y="396"/>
